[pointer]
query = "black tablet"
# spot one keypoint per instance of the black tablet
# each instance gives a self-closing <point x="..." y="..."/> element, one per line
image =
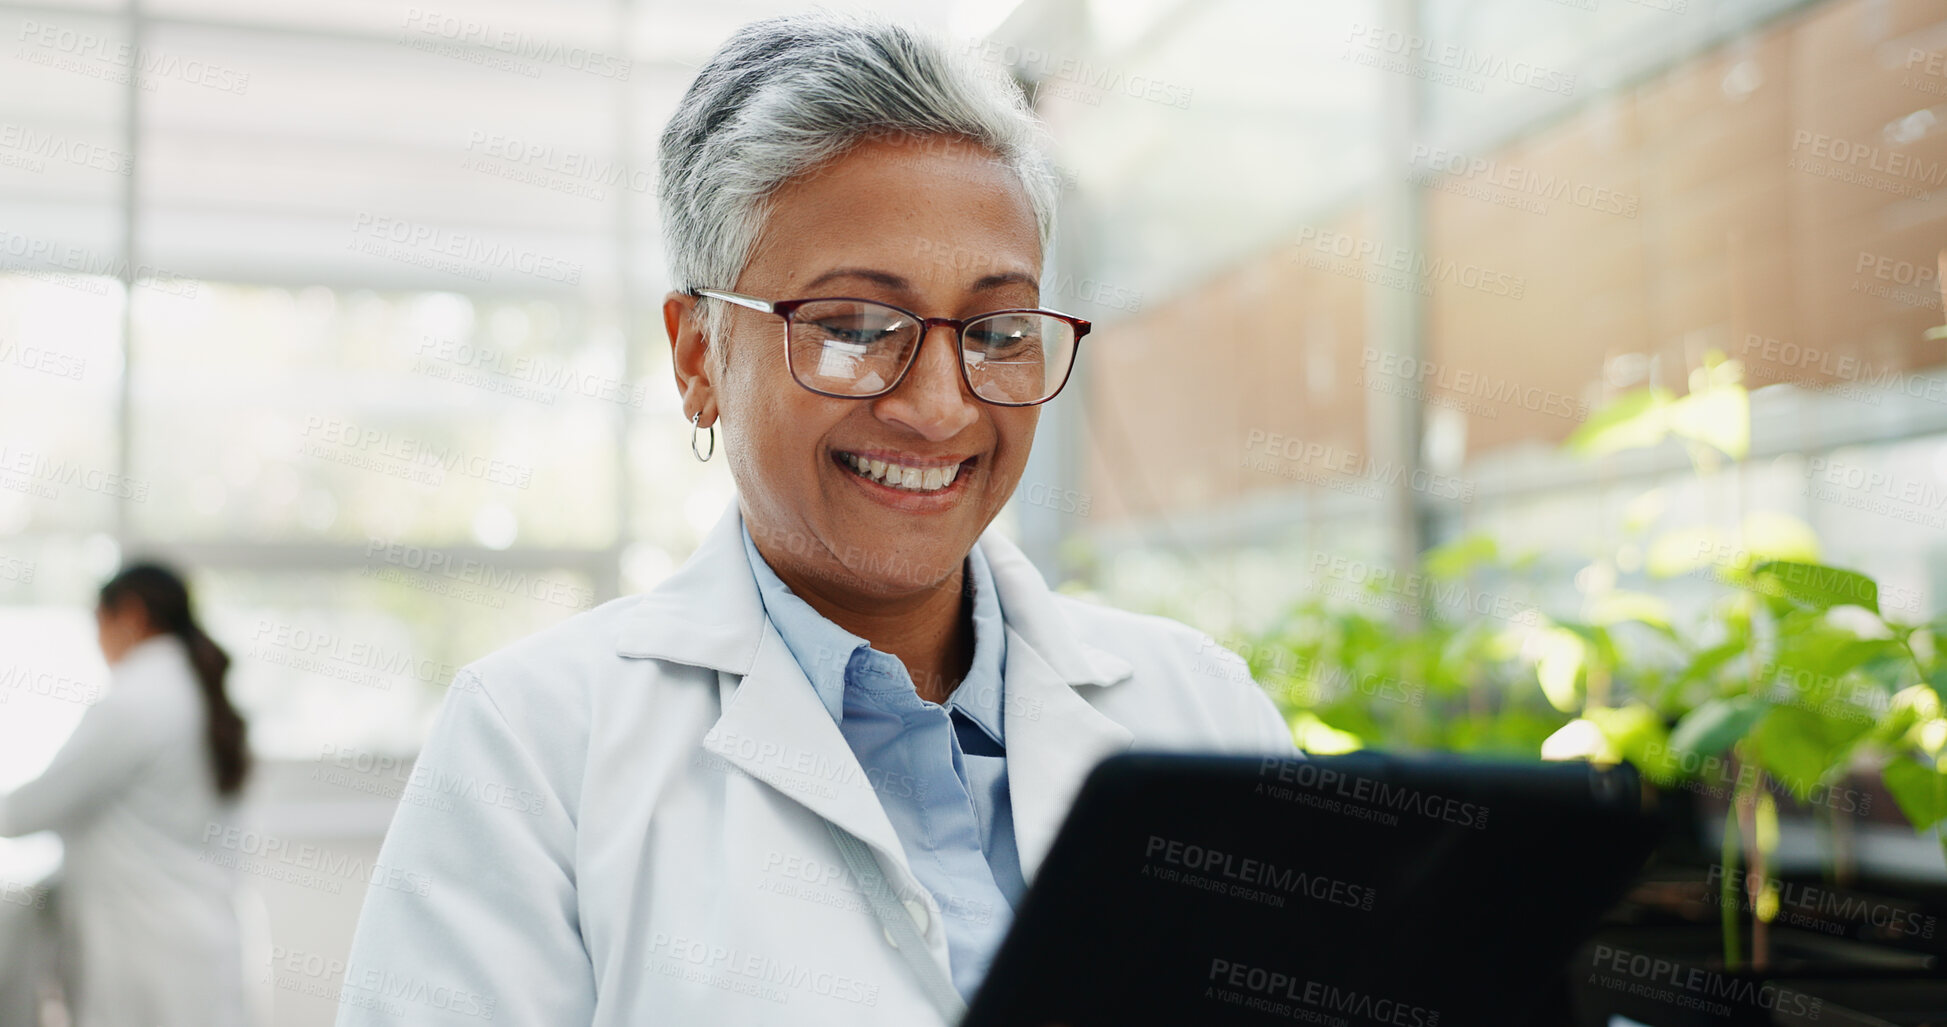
<point x="1358" y="890"/>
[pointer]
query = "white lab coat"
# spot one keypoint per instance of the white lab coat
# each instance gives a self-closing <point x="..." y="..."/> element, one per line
<point x="148" y="923"/>
<point x="618" y="820"/>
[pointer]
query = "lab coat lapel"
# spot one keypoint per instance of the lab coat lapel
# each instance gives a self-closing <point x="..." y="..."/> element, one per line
<point x="1054" y="738"/>
<point x="775" y="728"/>
<point x="709" y="614"/>
<point x="1054" y="735"/>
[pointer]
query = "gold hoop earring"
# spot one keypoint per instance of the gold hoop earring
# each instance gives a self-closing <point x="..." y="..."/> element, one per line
<point x="704" y="457"/>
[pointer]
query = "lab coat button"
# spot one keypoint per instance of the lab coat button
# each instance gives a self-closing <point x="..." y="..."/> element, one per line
<point x="918" y="911"/>
<point x="890" y="940"/>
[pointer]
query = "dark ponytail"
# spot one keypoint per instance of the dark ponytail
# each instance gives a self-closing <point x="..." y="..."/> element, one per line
<point x="165" y="599"/>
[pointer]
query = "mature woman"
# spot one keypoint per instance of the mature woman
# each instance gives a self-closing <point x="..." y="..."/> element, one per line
<point x="148" y="921"/>
<point x="855" y="717"/>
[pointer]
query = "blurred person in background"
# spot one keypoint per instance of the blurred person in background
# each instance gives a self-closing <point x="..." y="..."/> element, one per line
<point x="150" y="936"/>
<point x="820" y="764"/>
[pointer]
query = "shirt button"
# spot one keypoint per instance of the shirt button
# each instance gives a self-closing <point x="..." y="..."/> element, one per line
<point x="918" y="911"/>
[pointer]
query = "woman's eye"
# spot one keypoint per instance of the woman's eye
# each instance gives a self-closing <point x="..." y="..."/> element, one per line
<point x="998" y="340"/>
<point x="854" y="336"/>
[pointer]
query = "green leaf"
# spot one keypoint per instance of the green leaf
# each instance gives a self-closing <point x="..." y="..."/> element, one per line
<point x="1682" y="550"/>
<point x="1705" y="663"/>
<point x="1456" y="558"/>
<point x="1815" y="585"/>
<point x="1513" y="732"/>
<point x="1800" y="747"/>
<point x="1714" y="726"/>
<point x="1618" y="605"/>
<point x="1719" y="416"/>
<point x="1772" y="535"/>
<point x="1632" y="420"/>
<point x="1635" y="731"/>
<point x="1563" y="654"/>
<point x="1891" y="729"/>
<point x="1645" y="509"/>
<point x="1814" y="657"/>
<point x="1314" y="735"/>
<point x="1920" y="791"/>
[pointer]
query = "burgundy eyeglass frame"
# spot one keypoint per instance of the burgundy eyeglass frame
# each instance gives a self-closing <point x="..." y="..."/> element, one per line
<point x="785" y="308"/>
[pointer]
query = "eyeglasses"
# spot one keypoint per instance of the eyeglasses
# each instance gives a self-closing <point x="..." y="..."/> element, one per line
<point x="857" y="349"/>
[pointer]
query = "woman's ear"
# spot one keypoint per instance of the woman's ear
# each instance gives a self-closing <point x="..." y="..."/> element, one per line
<point x="692" y="362"/>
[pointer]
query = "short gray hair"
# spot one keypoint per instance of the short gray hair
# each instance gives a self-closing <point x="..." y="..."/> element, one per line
<point x="785" y="95"/>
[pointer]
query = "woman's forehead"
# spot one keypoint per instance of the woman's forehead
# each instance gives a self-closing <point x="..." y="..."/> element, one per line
<point x="927" y="216"/>
<point x="928" y="276"/>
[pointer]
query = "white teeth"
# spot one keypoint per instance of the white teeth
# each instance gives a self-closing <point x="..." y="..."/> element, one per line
<point x="900" y="476"/>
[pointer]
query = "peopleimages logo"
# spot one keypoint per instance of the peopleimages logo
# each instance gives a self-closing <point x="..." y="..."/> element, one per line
<point x="112" y="60"/>
<point x="1309" y="775"/>
<point x="1042" y="65"/>
<point x="1277" y="987"/>
<point x="1810" y="902"/>
<point x="1660" y="978"/>
<point x="1412" y="269"/>
<point x="441" y="249"/>
<point x="33" y="468"/>
<point x="1449" y="63"/>
<point x="580" y="173"/>
<point x="1376" y="366"/>
<point x="378" y="982"/>
<point x="1844" y="366"/>
<point x="422" y="27"/>
<point x="1261" y="449"/>
<point x="1722" y="777"/>
<point x="38" y="147"/>
<point x="1255" y="872"/>
<point x="47" y="685"/>
<point x="21" y="895"/>
<point x="330" y="439"/>
<point x="1366" y="581"/>
<point x="1526" y="182"/>
<point x="1864" y="164"/>
<point x="750" y="972"/>
<point x="37" y="256"/>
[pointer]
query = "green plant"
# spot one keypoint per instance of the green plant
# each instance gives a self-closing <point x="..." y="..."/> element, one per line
<point x="1786" y="678"/>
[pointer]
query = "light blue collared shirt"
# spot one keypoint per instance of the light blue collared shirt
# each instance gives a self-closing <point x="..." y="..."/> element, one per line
<point x="940" y="770"/>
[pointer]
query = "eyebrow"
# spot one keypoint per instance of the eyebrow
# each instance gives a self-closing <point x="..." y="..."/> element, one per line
<point x="893" y="281"/>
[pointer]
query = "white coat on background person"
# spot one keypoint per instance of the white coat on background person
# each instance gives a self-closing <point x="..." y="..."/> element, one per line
<point x="149" y="931"/>
<point x="617" y="821"/>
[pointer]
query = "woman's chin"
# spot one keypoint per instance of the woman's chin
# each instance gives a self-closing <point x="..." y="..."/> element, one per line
<point x="900" y="558"/>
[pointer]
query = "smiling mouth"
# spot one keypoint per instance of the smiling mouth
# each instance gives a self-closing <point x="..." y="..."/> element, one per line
<point x="904" y="477"/>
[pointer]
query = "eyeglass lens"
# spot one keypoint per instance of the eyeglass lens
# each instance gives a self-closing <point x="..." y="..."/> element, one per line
<point x="854" y="348"/>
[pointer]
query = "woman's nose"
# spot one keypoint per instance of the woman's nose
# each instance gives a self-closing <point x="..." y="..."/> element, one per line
<point x="933" y="399"/>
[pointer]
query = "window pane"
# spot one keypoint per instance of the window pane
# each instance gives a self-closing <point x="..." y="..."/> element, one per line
<point x="315" y="415"/>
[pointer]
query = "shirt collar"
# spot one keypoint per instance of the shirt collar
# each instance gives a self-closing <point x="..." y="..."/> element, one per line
<point x="826" y="651"/>
<point x="820" y="646"/>
<point x="982" y="701"/>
